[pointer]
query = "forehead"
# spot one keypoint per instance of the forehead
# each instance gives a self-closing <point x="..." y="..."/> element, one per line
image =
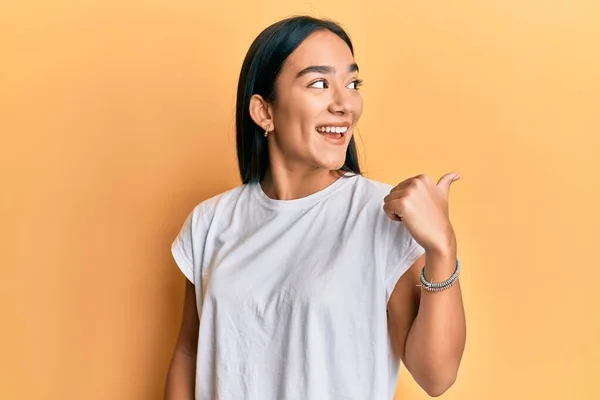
<point x="320" y="48"/>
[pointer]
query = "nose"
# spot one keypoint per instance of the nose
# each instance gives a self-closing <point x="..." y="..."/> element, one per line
<point x="341" y="102"/>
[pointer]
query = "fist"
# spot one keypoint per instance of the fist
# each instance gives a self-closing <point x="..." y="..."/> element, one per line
<point x="422" y="206"/>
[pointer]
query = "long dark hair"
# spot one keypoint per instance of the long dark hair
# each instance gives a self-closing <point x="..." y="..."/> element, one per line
<point x="260" y="70"/>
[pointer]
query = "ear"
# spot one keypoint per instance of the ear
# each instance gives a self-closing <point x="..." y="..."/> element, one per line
<point x="260" y="112"/>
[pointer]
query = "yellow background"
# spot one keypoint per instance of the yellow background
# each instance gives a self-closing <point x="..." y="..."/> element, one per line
<point x="117" y="118"/>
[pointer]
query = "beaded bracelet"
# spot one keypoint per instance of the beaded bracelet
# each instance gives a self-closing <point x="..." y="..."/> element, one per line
<point x="439" y="286"/>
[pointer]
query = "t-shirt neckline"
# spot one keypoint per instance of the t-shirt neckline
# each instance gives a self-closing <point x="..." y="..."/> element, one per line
<point x="302" y="202"/>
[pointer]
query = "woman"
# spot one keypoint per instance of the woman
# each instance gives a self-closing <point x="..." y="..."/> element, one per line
<point x="303" y="282"/>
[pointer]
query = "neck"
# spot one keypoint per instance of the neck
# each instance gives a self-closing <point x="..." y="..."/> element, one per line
<point x="288" y="184"/>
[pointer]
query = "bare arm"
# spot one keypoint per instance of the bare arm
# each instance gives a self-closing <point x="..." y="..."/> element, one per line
<point x="181" y="377"/>
<point x="428" y="329"/>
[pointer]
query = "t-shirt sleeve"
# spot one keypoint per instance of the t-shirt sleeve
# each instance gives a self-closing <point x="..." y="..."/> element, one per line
<point x="182" y="248"/>
<point x="402" y="251"/>
<point x="189" y="245"/>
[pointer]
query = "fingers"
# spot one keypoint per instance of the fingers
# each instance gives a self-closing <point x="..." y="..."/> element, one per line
<point x="445" y="182"/>
<point x="447" y="179"/>
<point x="406" y="182"/>
<point x="394" y="217"/>
<point x="393" y="204"/>
<point x="395" y="194"/>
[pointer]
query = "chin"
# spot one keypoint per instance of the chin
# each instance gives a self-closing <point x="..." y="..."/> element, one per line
<point x="331" y="158"/>
<point x="332" y="164"/>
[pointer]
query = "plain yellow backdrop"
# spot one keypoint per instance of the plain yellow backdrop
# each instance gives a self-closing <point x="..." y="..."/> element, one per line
<point x="117" y="118"/>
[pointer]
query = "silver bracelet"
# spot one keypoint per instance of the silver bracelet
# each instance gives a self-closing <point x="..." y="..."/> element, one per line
<point x="439" y="286"/>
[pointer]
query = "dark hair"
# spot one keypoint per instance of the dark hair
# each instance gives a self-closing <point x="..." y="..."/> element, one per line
<point x="260" y="70"/>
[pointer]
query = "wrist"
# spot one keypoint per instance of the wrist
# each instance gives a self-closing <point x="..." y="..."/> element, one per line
<point x="440" y="262"/>
<point x="447" y="250"/>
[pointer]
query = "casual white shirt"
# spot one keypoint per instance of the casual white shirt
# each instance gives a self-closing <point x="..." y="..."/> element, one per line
<point x="292" y="294"/>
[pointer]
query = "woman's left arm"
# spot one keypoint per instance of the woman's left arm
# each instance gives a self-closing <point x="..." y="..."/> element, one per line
<point x="427" y="329"/>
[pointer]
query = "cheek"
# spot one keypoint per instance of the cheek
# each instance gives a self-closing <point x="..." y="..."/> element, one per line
<point x="304" y="116"/>
<point x="299" y="109"/>
<point x="311" y="108"/>
<point x="295" y="127"/>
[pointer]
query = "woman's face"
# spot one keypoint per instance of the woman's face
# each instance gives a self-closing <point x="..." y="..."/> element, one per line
<point x="317" y="105"/>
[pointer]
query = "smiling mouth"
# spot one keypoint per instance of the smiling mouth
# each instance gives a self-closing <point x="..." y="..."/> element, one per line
<point x="332" y="132"/>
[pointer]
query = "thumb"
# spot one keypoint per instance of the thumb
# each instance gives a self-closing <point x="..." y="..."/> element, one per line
<point x="445" y="182"/>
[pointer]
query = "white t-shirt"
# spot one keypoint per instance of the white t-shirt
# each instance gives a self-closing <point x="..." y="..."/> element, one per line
<point x="292" y="294"/>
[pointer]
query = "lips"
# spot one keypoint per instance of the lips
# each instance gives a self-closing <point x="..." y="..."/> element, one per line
<point x="333" y="132"/>
<point x="332" y="129"/>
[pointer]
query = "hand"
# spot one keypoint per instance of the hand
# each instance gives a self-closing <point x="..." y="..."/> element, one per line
<point x="423" y="208"/>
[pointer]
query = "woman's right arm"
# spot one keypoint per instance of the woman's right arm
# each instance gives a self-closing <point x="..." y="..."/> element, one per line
<point x="181" y="377"/>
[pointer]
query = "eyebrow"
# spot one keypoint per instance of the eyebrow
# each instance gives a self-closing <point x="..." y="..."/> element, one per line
<point x="325" y="69"/>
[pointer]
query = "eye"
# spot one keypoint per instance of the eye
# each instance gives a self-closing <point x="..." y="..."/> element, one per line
<point x="357" y="83"/>
<point x="320" y="84"/>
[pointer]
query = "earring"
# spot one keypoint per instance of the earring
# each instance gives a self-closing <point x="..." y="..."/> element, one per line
<point x="267" y="130"/>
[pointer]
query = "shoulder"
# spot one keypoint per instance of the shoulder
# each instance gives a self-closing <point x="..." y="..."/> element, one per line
<point x="372" y="194"/>
<point x="204" y="212"/>
<point x="373" y="185"/>
<point x="366" y="204"/>
<point x="372" y="191"/>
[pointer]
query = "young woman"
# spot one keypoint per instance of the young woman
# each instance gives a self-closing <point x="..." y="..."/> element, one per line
<point x="310" y="281"/>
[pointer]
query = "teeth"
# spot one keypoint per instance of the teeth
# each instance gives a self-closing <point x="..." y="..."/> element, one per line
<point x="335" y="129"/>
